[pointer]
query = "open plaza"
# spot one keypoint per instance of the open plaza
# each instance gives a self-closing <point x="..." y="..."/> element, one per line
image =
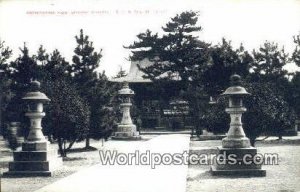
<point x="149" y="96"/>
<point x="83" y="171"/>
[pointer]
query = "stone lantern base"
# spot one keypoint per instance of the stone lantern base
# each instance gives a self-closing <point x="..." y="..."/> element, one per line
<point x="126" y="132"/>
<point x="2" y="142"/>
<point x="35" y="159"/>
<point x="240" y="168"/>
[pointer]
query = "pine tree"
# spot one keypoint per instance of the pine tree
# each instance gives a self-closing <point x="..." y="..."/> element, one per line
<point x="85" y="61"/>
<point x="268" y="67"/>
<point x="269" y="62"/>
<point x="101" y="119"/>
<point x="295" y="83"/>
<point x="225" y="61"/>
<point x="69" y="114"/>
<point x="56" y="66"/>
<point x="296" y="53"/>
<point x="5" y="55"/>
<point x="42" y="56"/>
<point x="178" y="53"/>
<point x="121" y="73"/>
<point x="22" y="71"/>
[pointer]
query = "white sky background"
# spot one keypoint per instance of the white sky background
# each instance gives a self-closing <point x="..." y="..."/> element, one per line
<point x="250" y="22"/>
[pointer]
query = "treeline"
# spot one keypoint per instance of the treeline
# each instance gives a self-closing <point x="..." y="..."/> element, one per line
<point x="82" y="100"/>
<point x="204" y="70"/>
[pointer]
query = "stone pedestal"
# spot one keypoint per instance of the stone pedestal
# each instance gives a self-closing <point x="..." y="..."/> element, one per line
<point x="36" y="157"/>
<point x="240" y="168"/>
<point x="236" y="156"/>
<point x="2" y="142"/>
<point x="16" y="132"/>
<point x="126" y="129"/>
<point x="237" y="145"/>
<point x="126" y="132"/>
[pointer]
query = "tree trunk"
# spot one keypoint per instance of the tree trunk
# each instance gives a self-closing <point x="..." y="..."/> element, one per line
<point x="252" y="141"/>
<point x="65" y="150"/>
<point x="60" y="147"/>
<point x="50" y="139"/>
<point x="87" y="142"/>
<point x="71" y="144"/>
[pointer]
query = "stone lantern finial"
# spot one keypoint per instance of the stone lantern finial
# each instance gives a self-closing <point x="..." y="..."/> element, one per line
<point x="235" y="80"/>
<point x="35" y="85"/>
<point x="125" y="84"/>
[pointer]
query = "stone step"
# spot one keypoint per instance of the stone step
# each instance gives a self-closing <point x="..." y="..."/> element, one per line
<point x="27" y="173"/>
<point x="211" y="137"/>
<point x="34" y="155"/>
<point x="34" y="165"/>
<point x="237" y="166"/>
<point x="238" y="172"/>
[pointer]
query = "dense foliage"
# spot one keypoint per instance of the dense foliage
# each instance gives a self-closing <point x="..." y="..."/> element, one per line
<point x="80" y="97"/>
<point x="295" y="87"/>
<point x="93" y="87"/>
<point x="204" y="70"/>
<point x="68" y="113"/>
<point x="84" y="103"/>
<point x="177" y="55"/>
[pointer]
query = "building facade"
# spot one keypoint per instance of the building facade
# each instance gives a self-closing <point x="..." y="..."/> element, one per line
<point x="155" y="107"/>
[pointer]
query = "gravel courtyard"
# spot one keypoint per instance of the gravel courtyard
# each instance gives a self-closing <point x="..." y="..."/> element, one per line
<point x="284" y="177"/>
<point x="77" y="160"/>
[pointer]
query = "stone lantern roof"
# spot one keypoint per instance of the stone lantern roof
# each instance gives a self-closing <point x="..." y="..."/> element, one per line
<point x="126" y="90"/>
<point x="35" y="94"/>
<point x="235" y="88"/>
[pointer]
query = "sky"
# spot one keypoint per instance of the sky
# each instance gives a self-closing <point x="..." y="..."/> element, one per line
<point x="111" y="24"/>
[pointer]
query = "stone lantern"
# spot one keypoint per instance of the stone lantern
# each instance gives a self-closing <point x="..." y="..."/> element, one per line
<point x="126" y="129"/>
<point x="36" y="157"/>
<point x="236" y="144"/>
<point x="35" y="101"/>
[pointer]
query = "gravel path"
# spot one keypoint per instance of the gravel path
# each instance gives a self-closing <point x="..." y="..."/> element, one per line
<point x="131" y="178"/>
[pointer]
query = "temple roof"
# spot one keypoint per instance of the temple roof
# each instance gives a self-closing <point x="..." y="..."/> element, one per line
<point x="135" y="75"/>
